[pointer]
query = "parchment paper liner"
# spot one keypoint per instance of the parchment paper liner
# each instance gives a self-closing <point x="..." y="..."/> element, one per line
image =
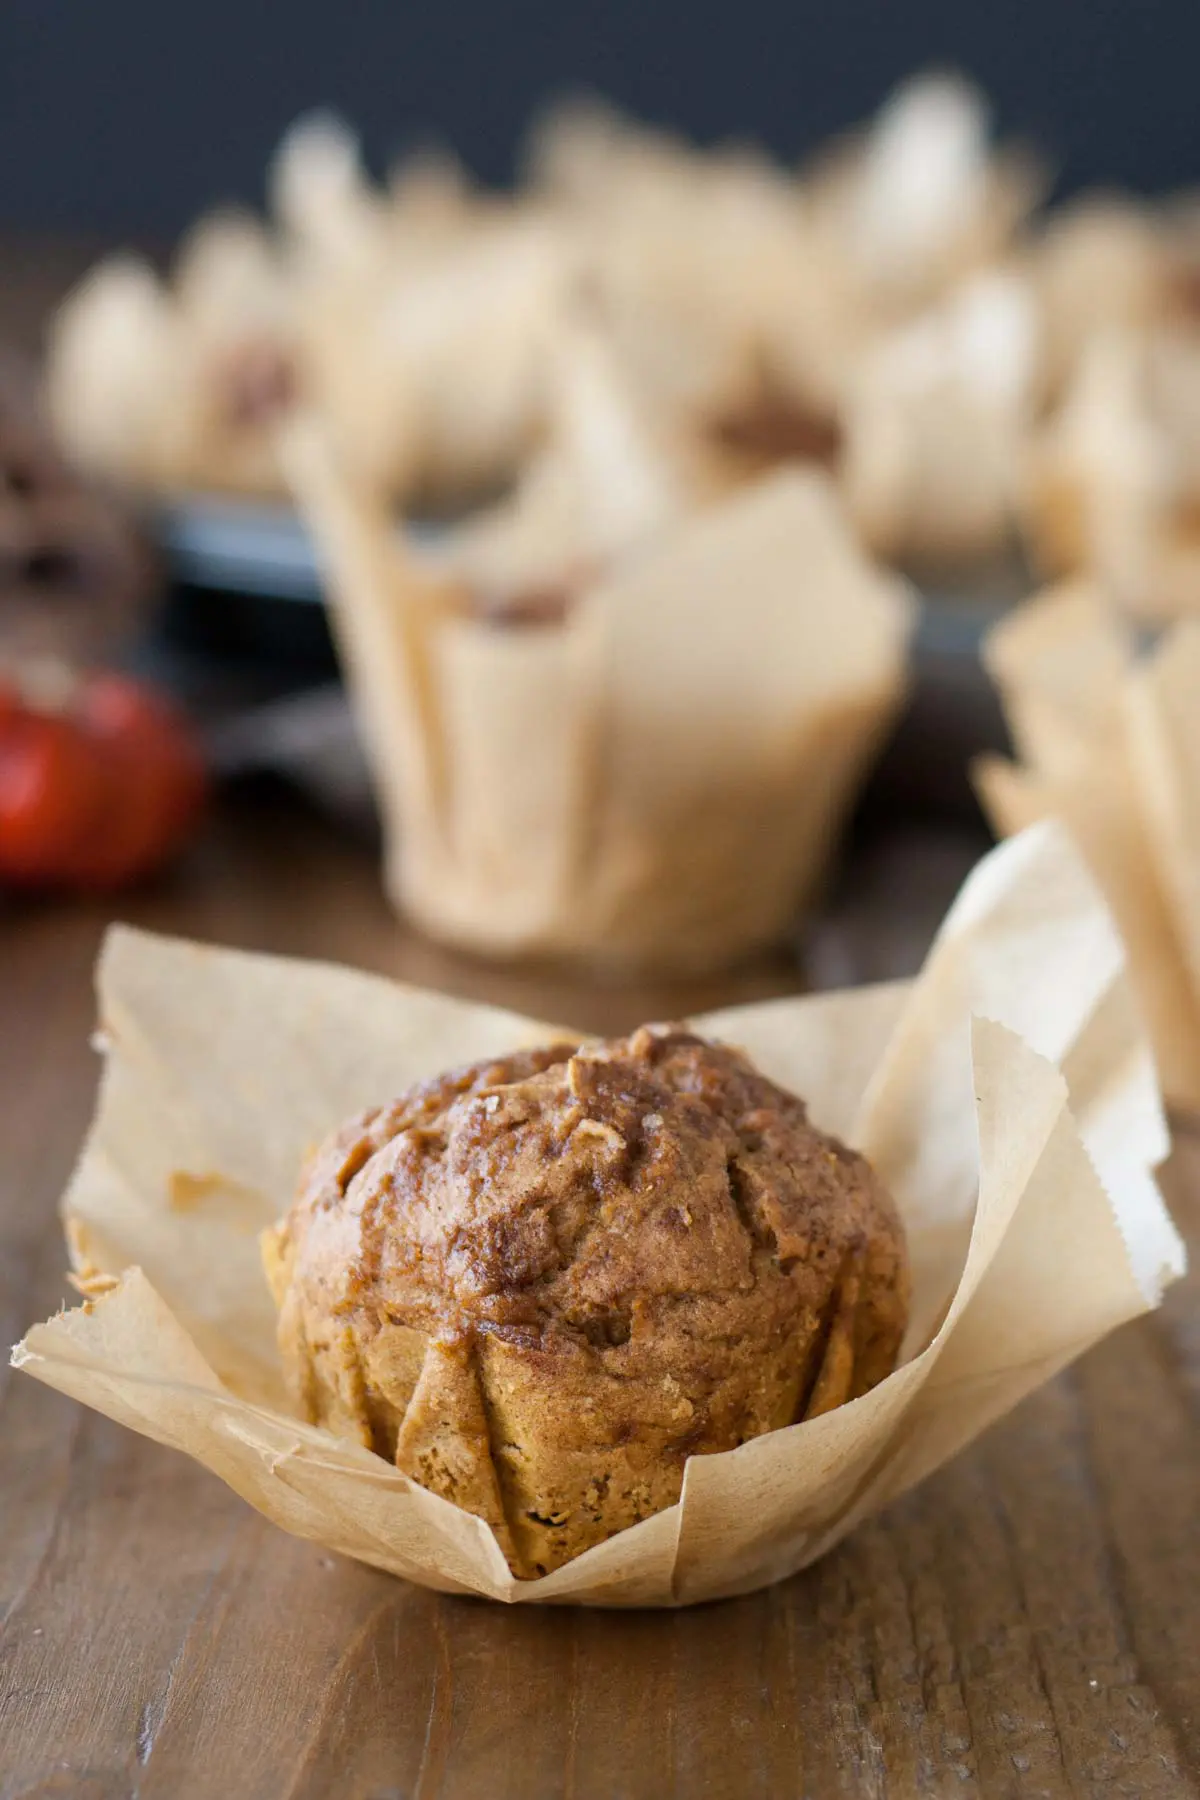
<point x="153" y="382"/>
<point x="659" y="779"/>
<point x="921" y="197"/>
<point x="1111" y="485"/>
<point x="705" y="267"/>
<point x="1100" y="262"/>
<point x="935" y="422"/>
<point x="609" y="477"/>
<point x="1110" y="743"/>
<point x="223" y="1067"/>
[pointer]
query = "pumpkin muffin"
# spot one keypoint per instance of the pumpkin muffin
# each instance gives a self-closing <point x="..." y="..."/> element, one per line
<point x="539" y="1285"/>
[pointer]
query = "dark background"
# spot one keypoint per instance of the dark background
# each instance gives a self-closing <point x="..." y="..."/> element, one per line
<point x="128" y="116"/>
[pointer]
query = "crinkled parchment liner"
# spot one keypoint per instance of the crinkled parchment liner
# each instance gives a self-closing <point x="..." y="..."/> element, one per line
<point x="1109" y="742"/>
<point x="1008" y="1097"/>
<point x="656" y="781"/>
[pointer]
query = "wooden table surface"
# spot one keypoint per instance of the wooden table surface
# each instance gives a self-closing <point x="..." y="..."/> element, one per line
<point x="1027" y="1623"/>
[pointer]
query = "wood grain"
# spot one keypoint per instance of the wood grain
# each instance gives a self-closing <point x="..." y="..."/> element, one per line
<point x="1025" y="1624"/>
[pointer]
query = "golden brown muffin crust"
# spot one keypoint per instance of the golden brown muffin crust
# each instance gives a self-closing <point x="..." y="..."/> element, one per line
<point x="541" y="1283"/>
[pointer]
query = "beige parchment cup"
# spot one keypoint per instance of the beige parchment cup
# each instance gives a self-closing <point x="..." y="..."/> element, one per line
<point x="1008" y="1096"/>
<point x="656" y="781"/>
<point x="1109" y="741"/>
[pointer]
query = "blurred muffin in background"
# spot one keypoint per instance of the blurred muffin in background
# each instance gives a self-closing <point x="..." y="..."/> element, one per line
<point x="893" y="312"/>
<point x="174" y="385"/>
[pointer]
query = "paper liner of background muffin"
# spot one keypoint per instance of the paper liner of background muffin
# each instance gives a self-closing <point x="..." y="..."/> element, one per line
<point x="656" y="778"/>
<point x="1111" y="480"/>
<point x="1007" y="1097"/>
<point x="1109" y="741"/>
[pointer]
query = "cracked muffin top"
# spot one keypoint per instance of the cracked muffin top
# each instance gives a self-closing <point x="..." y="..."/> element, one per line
<point x="540" y="1284"/>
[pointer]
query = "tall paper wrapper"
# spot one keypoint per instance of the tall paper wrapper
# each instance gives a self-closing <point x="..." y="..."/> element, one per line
<point x="1007" y="1097"/>
<point x="657" y="781"/>
<point x="1110" y="743"/>
<point x="1111" y="482"/>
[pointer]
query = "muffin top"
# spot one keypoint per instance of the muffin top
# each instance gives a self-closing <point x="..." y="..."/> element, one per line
<point x="653" y="1200"/>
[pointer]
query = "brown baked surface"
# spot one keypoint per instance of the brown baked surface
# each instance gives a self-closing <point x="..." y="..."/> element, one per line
<point x="540" y="1284"/>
